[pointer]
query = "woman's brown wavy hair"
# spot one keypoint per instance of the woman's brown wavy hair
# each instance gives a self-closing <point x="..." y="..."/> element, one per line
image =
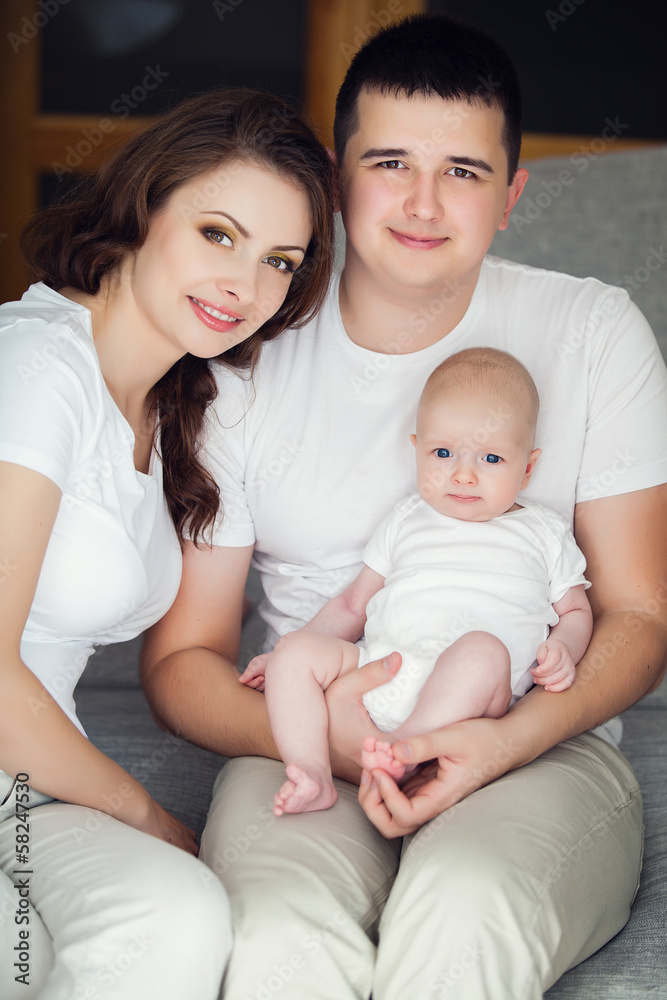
<point x="81" y="241"/>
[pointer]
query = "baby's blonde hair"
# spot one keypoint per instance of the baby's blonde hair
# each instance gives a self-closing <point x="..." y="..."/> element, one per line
<point x="493" y="371"/>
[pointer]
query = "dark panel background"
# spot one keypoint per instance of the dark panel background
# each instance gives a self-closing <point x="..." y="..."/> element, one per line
<point x="581" y="61"/>
<point x="96" y="51"/>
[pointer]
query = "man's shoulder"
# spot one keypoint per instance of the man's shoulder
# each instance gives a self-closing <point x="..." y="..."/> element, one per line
<point x="526" y="277"/>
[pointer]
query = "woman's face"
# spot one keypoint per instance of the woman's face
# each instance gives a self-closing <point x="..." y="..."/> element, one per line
<point x="219" y="258"/>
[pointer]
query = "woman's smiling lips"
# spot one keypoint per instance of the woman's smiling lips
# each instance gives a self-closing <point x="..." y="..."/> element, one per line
<point x="417" y="242"/>
<point x="220" y="320"/>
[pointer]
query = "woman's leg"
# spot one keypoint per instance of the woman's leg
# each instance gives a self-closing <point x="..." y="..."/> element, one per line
<point x="306" y="891"/>
<point x="113" y="912"/>
<point x="501" y="894"/>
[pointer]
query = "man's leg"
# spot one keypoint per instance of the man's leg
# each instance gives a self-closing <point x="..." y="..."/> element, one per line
<point x="500" y="895"/>
<point x="306" y="890"/>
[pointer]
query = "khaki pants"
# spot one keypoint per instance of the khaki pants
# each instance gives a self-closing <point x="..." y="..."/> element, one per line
<point x="494" y="899"/>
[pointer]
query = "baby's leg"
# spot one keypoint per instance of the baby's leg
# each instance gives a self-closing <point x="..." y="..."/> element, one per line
<point x="300" y="669"/>
<point x="470" y="680"/>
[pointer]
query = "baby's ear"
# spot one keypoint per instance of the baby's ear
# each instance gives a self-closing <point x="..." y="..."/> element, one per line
<point x="530" y="467"/>
<point x="413" y="438"/>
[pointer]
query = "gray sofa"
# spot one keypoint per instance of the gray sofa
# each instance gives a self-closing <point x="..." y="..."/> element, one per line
<point x="589" y="215"/>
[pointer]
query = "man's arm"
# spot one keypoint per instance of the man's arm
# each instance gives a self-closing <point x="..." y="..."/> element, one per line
<point x="189" y="672"/>
<point x="624" y="539"/>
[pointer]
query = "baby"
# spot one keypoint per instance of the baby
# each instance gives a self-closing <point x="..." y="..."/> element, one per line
<point x="468" y="584"/>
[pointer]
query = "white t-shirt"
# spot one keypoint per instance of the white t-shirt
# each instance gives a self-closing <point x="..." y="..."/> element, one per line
<point x="316" y="452"/>
<point x="445" y="577"/>
<point x="113" y="564"/>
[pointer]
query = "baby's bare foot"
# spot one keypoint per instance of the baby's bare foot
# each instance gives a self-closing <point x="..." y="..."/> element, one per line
<point x="380" y="753"/>
<point x="304" y="791"/>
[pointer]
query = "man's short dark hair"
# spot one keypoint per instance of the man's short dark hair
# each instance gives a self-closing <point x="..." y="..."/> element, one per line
<point x="432" y="55"/>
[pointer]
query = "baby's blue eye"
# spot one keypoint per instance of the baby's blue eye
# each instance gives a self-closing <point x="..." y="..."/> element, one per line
<point x="492" y="459"/>
<point x="443" y="453"/>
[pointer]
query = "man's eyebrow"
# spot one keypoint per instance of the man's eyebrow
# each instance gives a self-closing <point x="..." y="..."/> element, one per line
<point x="243" y="231"/>
<point x="468" y="161"/>
<point x="384" y="154"/>
<point x="397" y="154"/>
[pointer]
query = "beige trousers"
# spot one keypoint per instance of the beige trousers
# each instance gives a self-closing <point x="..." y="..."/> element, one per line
<point x="101" y="911"/>
<point x="494" y="899"/>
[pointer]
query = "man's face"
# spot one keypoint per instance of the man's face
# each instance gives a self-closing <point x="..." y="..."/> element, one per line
<point x="423" y="191"/>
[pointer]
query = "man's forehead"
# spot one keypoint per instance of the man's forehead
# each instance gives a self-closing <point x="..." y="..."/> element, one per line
<point x="394" y="120"/>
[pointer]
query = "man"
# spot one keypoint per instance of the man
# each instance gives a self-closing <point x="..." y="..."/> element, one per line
<point x="531" y="857"/>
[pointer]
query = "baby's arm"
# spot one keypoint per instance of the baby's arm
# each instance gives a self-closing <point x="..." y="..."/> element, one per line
<point x="345" y="616"/>
<point x="558" y="655"/>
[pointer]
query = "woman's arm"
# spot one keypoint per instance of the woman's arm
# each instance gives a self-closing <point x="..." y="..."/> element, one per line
<point x="188" y="662"/>
<point x="624" y="539"/>
<point x="46" y="744"/>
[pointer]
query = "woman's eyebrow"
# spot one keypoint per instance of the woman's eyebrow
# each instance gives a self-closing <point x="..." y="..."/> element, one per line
<point x="243" y="231"/>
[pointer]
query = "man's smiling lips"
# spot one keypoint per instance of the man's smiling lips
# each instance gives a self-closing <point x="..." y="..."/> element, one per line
<point x="417" y="242"/>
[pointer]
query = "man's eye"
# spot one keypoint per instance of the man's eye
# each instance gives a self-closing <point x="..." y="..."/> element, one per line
<point x="443" y="453"/>
<point x="462" y="172"/>
<point x="392" y="165"/>
<point x="492" y="459"/>
<point x="219" y="236"/>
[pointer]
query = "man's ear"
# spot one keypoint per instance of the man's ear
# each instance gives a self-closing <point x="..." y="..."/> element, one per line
<point x="413" y="438"/>
<point x="513" y="192"/>
<point x="332" y="157"/>
<point x="530" y="467"/>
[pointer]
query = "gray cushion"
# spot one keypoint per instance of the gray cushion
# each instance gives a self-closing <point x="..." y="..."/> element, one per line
<point x="608" y="222"/>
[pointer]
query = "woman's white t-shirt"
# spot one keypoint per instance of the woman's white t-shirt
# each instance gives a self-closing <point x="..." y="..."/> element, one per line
<point x="113" y="564"/>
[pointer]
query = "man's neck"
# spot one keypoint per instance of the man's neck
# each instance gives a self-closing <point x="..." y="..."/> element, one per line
<point x="399" y="320"/>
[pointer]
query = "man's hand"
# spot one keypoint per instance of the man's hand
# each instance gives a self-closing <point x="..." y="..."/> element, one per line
<point x="349" y="721"/>
<point x="556" y="670"/>
<point x="462" y="758"/>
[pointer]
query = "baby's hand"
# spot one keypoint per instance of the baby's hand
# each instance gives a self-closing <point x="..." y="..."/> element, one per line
<point x="556" y="667"/>
<point x="254" y="674"/>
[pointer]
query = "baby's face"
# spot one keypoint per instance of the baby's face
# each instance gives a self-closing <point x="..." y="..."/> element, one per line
<point x="473" y="455"/>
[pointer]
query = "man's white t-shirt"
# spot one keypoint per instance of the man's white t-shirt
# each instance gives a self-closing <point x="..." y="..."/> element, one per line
<point x="315" y="451"/>
<point x="113" y="563"/>
<point x="444" y="577"/>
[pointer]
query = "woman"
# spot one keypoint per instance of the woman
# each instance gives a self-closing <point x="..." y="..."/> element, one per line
<point x="207" y="234"/>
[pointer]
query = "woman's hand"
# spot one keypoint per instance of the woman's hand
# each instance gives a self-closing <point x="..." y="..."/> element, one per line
<point x="462" y="758"/>
<point x="349" y="721"/>
<point x="161" y="824"/>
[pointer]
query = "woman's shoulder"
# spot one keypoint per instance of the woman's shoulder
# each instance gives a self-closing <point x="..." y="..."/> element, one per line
<point x="46" y="337"/>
